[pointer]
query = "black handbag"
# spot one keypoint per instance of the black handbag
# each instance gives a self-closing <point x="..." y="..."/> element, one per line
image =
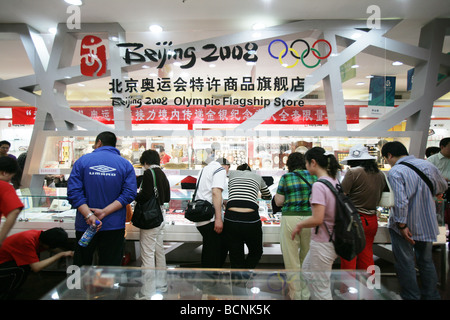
<point x="148" y="214"/>
<point x="199" y="210"/>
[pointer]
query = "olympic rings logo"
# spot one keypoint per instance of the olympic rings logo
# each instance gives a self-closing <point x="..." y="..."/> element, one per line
<point x="304" y="54"/>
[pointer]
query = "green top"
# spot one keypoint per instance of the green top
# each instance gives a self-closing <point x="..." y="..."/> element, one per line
<point x="296" y="193"/>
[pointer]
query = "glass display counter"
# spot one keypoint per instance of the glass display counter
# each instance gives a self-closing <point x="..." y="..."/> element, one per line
<point x="49" y="208"/>
<point x="123" y="283"/>
<point x="262" y="152"/>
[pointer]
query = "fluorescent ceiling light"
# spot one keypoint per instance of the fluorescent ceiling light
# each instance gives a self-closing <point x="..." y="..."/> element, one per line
<point x="155" y="28"/>
<point x="360" y="83"/>
<point x="355" y="66"/>
<point x="52" y="30"/>
<point x="397" y="63"/>
<point x="74" y="2"/>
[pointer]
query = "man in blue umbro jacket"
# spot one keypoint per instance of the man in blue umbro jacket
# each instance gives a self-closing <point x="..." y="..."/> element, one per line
<point x="100" y="186"/>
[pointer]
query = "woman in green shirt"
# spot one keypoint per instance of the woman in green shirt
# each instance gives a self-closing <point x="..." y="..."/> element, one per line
<point x="293" y="194"/>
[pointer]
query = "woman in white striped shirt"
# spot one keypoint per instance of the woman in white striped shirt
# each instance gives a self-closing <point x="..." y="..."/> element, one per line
<point x="242" y="224"/>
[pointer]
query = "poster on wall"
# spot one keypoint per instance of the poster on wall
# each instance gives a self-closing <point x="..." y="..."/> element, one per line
<point x="382" y="91"/>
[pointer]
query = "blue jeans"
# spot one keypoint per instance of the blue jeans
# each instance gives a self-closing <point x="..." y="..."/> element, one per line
<point x="406" y="256"/>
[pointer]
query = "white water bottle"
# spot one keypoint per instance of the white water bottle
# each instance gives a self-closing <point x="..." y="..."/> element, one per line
<point x="88" y="234"/>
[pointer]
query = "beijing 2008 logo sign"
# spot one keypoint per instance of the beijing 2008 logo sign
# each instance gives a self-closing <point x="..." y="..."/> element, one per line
<point x="93" y="56"/>
<point x="296" y="55"/>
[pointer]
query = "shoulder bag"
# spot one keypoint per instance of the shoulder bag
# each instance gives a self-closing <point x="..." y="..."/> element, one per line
<point x="199" y="210"/>
<point x="387" y="197"/>
<point x="421" y="174"/>
<point x="148" y="215"/>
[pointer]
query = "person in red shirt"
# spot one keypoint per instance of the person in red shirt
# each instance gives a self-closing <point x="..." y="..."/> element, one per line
<point x="10" y="204"/>
<point x="19" y="255"/>
<point x="164" y="157"/>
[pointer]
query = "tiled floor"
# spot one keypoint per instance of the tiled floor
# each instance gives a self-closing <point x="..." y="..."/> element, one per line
<point x="39" y="284"/>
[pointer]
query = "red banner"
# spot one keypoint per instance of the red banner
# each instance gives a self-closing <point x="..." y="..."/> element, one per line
<point x="23" y="115"/>
<point x="306" y="115"/>
<point x="311" y="114"/>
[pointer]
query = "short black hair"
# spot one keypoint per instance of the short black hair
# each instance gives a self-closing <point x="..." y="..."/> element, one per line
<point x="431" y="150"/>
<point x="108" y="138"/>
<point x="9" y="165"/>
<point x="55" y="238"/>
<point x="395" y="148"/>
<point x="5" y="142"/>
<point x="444" y="142"/>
<point x="244" y="167"/>
<point x="150" y="157"/>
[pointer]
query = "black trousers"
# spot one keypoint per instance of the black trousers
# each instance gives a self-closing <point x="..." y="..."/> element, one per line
<point x="241" y="234"/>
<point x="214" y="250"/>
<point x="12" y="278"/>
<point x="109" y="245"/>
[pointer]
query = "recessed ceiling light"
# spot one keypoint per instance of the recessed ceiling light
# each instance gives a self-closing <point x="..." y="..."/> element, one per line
<point x="355" y="66"/>
<point x="397" y="63"/>
<point x="360" y="83"/>
<point x="52" y="30"/>
<point x="155" y="28"/>
<point x="369" y="77"/>
<point x="74" y="2"/>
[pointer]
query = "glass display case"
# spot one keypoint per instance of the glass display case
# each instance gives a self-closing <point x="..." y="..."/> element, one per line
<point x="193" y="152"/>
<point x="114" y="283"/>
<point x="49" y="207"/>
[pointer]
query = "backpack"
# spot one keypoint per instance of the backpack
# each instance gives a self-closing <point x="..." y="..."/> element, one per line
<point x="349" y="237"/>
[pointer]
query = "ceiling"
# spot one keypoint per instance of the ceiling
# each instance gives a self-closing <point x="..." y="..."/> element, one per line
<point x="187" y="21"/>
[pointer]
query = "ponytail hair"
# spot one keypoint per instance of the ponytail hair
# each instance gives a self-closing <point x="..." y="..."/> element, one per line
<point x="325" y="160"/>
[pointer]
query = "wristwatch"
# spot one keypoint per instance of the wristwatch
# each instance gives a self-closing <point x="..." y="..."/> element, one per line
<point x="89" y="215"/>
